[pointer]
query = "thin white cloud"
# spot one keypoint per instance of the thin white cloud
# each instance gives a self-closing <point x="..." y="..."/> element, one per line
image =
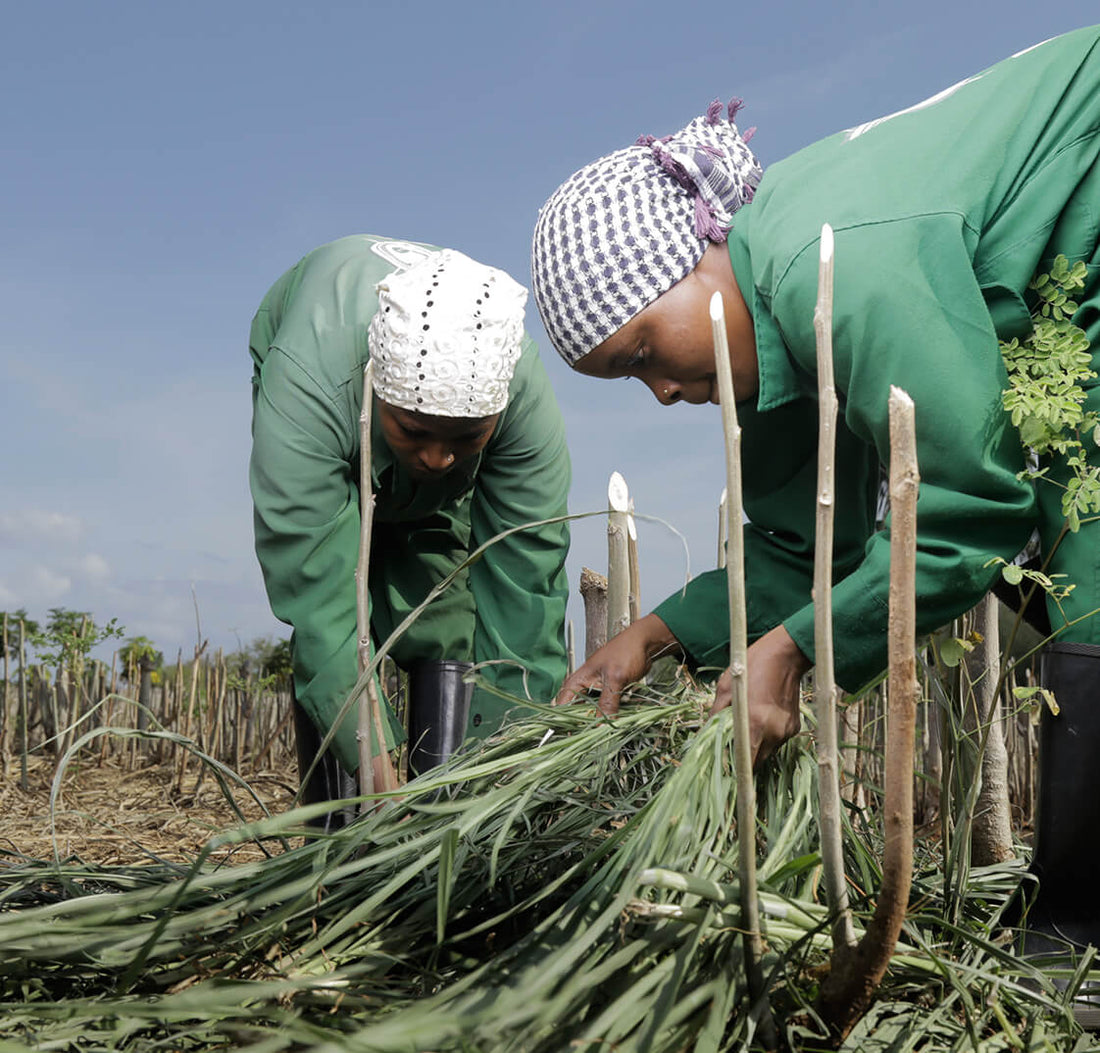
<point x="35" y="526"/>
<point x="94" y="567"/>
<point x="46" y="585"/>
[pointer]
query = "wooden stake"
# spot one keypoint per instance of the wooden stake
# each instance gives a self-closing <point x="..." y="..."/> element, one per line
<point x="723" y="527"/>
<point x="634" y="596"/>
<point x="735" y="576"/>
<point x="593" y="590"/>
<point x="188" y="716"/>
<point x="370" y="728"/>
<point x="618" y="556"/>
<point x="855" y="975"/>
<point x="24" y="730"/>
<point x="825" y="692"/>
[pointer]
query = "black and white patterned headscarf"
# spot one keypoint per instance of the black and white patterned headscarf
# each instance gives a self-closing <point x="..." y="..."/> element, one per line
<point x="626" y="228"/>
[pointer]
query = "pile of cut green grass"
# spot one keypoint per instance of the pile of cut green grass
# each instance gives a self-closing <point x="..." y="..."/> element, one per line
<point x="568" y="885"/>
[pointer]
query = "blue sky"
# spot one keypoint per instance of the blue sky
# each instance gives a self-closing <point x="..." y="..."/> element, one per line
<point x="161" y="165"/>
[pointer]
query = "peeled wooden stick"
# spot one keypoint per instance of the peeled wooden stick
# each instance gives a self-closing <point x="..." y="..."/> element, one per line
<point x="618" y="555"/>
<point x="991" y="833"/>
<point x="723" y="528"/>
<point x="369" y="728"/>
<point x="825" y="693"/>
<point x="735" y="577"/>
<point x="635" y="591"/>
<point x="904" y="688"/>
<point x="855" y="975"/>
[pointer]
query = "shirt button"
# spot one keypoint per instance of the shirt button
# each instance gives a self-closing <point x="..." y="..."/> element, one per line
<point x="477" y="720"/>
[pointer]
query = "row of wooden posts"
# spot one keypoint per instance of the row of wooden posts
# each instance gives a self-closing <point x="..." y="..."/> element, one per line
<point x="137" y="716"/>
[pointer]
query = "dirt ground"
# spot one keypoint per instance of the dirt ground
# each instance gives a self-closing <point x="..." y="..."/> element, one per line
<point x="112" y="814"/>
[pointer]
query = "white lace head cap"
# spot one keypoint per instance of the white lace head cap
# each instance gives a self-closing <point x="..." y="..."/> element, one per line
<point x="446" y="336"/>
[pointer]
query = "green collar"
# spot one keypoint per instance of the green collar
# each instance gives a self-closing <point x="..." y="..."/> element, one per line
<point x="778" y="379"/>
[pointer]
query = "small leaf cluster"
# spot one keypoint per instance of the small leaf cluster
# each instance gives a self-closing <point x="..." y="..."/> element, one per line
<point x="1034" y="699"/>
<point x="1045" y="399"/>
<point x="955" y="648"/>
<point x="1015" y="574"/>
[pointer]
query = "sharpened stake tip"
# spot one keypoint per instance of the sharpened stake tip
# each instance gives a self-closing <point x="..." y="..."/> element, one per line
<point x="717" y="309"/>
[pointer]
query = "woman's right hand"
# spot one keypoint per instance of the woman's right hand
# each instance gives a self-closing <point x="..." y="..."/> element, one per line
<point x="623" y="660"/>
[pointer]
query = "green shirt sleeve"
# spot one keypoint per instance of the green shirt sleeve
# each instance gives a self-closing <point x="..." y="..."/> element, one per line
<point x="519" y="584"/>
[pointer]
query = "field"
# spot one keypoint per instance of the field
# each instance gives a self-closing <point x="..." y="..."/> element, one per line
<point x="112" y="815"/>
<point x="570" y="884"/>
<point x="574" y="882"/>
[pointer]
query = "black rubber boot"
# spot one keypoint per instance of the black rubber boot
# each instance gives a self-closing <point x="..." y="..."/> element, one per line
<point x="1061" y="917"/>
<point x="328" y="782"/>
<point x="439" y="706"/>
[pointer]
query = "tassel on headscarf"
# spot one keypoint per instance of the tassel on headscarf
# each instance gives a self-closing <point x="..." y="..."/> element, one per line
<point x="707" y="171"/>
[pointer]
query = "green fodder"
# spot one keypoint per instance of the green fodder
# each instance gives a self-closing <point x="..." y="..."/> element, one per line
<point x="569" y="884"/>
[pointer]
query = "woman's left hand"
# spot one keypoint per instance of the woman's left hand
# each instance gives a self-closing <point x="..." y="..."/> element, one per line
<point x="775" y="667"/>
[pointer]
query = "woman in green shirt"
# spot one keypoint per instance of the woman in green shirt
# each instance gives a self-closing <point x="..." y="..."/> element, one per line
<point x="467" y="442"/>
<point x="942" y="214"/>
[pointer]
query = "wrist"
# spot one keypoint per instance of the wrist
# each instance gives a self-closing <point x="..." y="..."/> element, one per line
<point x="777" y="646"/>
<point x="658" y="638"/>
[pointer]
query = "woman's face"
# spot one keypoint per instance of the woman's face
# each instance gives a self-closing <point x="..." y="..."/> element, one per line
<point x="669" y="345"/>
<point x="429" y="447"/>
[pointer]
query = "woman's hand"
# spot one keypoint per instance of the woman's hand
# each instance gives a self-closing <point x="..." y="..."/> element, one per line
<point x="775" y="668"/>
<point x="623" y="660"/>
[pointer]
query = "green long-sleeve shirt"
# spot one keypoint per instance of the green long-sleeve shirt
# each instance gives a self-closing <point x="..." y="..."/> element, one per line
<point x="309" y="346"/>
<point x="942" y="214"/>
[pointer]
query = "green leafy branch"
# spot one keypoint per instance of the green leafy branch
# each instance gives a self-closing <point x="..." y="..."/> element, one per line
<point x="1014" y="574"/>
<point x="70" y="636"/>
<point x="1045" y="399"/>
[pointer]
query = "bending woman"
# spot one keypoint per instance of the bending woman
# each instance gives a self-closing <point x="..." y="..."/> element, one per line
<point x="943" y="214"/>
<point x="467" y="441"/>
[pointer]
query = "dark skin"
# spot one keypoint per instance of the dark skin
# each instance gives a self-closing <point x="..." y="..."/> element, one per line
<point x="429" y="446"/>
<point x="670" y="348"/>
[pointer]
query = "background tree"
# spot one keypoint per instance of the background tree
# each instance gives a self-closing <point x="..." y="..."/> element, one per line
<point x="273" y="658"/>
<point x="30" y="628"/>
<point x="66" y="644"/>
<point x="135" y="652"/>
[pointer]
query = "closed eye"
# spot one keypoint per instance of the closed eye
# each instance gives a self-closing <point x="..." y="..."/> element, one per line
<point x="470" y="439"/>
